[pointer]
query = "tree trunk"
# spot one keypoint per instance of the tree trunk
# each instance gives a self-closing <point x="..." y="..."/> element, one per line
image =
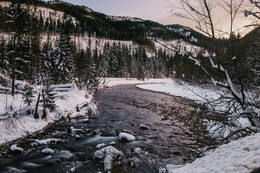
<point x="44" y="115"/>
<point x="36" y="115"/>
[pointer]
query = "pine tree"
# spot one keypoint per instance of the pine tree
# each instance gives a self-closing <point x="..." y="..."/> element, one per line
<point x="62" y="56"/>
<point x="17" y="53"/>
<point x="46" y="63"/>
<point x="113" y="62"/>
<point x="49" y="97"/>
<point x="3" y="57"/>
<point x="104" y="63"/>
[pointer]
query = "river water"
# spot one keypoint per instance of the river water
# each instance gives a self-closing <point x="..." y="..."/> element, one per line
<point x="167" y="138"/>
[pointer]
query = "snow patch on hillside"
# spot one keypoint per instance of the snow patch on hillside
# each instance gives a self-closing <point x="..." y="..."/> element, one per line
<point x="178" y="46"/>
<point x="125" y="18"/>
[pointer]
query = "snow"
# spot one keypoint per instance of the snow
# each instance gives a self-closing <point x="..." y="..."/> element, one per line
<point x="100" y="146"/>
<point x="45" y="141"/>
<point x="178" y="46"/>
<point x="108" y="154"/>
<point x="48" y="151"/>
<point x="125" y="18"/>
<point x="110" y="82"/>
<point x="7" y="100"/>
<point x="182" y="89"/>
<point x="14" y="127"/>
<point x="15" y="148"/>
<point x="126" y="136"/>
<point x="239" y="156"/>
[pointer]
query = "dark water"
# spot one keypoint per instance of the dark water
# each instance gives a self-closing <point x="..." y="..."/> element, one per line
<point x="167" y="138"/>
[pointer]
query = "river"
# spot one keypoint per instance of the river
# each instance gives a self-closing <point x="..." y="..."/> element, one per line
<point x="159" y="122"/>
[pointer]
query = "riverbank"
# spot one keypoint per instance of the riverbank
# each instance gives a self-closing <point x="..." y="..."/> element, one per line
<point x="17" y="122"/>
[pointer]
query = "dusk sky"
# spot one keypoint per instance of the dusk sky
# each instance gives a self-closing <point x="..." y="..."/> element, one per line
<point x="156" y="10"/>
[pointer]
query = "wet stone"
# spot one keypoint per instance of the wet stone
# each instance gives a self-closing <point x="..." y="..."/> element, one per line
<point x="95" y="132"/>
<point x="144" y="127"/>
<point x="108" y="133"/>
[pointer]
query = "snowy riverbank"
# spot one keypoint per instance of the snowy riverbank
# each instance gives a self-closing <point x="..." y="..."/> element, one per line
<point x="22" y="124"/>
<point x="182" y="89"/>
<point x="241" y="156"/>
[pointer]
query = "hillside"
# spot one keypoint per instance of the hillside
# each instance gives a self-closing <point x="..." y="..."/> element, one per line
<point x="87" y="21"/>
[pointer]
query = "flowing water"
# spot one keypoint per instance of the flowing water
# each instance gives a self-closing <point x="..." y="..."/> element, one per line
<point x="164" y="133"/>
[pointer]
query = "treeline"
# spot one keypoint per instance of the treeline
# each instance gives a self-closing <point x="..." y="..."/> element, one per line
<point x="24" y="58"/>
<point x="97" y="24"/>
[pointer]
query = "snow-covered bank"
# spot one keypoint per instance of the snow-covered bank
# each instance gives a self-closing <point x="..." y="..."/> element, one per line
<point x="241" y="156"/>
<point x="22" y="124"/>
<point x="110" y="82"/>
<point x="184" y="90"/>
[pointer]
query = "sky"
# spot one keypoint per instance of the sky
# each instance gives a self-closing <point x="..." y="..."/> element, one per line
<point x="155" y="10"/>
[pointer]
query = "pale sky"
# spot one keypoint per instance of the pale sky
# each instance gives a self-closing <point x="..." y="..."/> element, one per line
<point x="155" y="10"/>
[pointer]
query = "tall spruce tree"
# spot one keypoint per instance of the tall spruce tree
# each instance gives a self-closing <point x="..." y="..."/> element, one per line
<point x="62" y="55"/>
<point x="3" y="57"/>
<point x="17" y="50"/>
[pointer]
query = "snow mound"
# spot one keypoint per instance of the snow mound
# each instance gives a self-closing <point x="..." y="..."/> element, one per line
<point x="48" y="151"/>
<point x="108" y="154"/>
<point x="15" y="148"/>
<point x="126" y="137"/>
<point x="45" y="141"/>
<point x="239" y="156"/>
<point x="100" y="146"/>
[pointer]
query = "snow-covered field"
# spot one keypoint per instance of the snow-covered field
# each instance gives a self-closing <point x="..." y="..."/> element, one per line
<point x="23" y="124"/>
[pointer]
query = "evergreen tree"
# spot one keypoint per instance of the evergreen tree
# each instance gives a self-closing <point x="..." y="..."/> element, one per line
<point x="46" y="63"/>
<point x="63" y="57"/>
<point x="3" y="57"/>
<point x="17" y="50"/>
<point x="49" y="97"/>
<point x="113" y="61"/>
<point x="104" y="63"/>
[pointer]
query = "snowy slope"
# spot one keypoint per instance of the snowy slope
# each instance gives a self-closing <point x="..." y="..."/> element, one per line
<point x="241" y="156"/>
<point x="45" y="13"/>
